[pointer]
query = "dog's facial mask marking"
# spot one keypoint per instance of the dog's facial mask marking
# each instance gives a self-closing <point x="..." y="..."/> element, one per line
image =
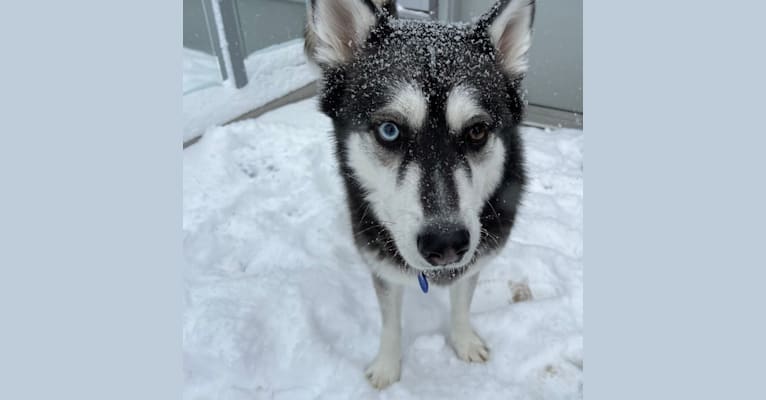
<point x="464" y="108"/>
<point x="408" y="105"/>
<point x="392" y="200"/>
<point x="426" y="194"/>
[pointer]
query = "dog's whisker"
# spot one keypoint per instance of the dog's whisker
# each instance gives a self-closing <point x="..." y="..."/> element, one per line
<point x="366" y="229"/>
<point x="364" y="213"/>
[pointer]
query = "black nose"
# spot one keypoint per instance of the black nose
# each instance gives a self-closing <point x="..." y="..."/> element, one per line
<point x="443" y="245"/>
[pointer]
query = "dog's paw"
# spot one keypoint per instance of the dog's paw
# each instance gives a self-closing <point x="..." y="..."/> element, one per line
<point x="383" y="372"/>
<point x="469" y="346"/>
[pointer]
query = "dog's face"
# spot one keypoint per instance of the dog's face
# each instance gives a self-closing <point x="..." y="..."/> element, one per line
<point x="425" y="118"/>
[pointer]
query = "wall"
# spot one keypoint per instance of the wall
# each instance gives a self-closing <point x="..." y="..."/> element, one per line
<point x="263" y="22"/>
<point x="555" y="73"/>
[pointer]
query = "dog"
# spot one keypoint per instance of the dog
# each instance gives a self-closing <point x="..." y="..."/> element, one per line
<point x="425" y="122"/>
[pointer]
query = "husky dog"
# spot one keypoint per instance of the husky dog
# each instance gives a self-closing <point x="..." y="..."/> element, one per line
<point x="425" y="119"/>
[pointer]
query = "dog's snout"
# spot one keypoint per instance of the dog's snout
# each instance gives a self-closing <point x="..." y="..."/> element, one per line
<point x="443" y="246"/>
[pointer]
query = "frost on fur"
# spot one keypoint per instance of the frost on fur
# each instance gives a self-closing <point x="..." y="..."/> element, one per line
<point x="510" y="29"/>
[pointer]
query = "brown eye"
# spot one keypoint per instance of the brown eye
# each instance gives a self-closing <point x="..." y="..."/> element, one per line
<point x="477" y="135"/>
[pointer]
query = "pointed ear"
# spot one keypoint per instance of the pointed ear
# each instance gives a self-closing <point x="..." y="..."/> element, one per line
<point x="336" y="28"/>
<point x="509" y="25"/>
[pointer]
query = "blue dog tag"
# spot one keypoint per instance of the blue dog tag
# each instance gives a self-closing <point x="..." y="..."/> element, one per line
<point x="423" y="282"/>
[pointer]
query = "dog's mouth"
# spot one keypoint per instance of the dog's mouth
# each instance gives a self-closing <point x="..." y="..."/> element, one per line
<point x="443" y="263"/>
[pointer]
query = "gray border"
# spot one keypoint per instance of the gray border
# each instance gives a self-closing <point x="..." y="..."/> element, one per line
<point x="675" y="200"/>
<point x="90" y="216"/>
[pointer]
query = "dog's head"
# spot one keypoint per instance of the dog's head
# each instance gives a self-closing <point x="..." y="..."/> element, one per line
<point x="425" y="118"/>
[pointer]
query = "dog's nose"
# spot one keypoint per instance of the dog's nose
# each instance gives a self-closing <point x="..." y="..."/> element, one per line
<point x="443" y="246"/>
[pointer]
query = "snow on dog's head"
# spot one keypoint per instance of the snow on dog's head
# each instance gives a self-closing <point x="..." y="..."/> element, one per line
<point x="425" y="117"/>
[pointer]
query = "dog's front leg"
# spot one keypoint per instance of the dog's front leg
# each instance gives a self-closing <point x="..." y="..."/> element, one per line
<point x="468" y="345"/>
<point x="386" y="367"/>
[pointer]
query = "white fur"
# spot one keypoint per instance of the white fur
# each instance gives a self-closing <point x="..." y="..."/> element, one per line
<point x="387" y="271"/>
<point x="462" y="105"/>
<point x="340" y="27"/>
<point x="397" y="206"/>
<point x="386" y="367"/>
<point x="410" y="102"/>
<point x="511" y="34"/>
<point x="467" y="344"/>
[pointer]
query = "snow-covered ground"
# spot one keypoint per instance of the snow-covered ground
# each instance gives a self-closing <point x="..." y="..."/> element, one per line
<point x="200" y="71"/>
<point x="272" y="73"/>
<point x="279" y="305"/>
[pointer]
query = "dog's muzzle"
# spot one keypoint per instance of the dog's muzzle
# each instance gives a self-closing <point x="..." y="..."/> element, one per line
<point x="443" y="244"/>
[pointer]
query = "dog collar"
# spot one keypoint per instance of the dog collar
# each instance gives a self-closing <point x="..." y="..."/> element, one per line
<point x="423" y="282"/>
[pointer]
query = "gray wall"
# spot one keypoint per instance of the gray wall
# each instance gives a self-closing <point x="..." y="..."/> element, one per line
<point x="268" y="22"/>
<point x="555" y="70"/>
<point x="195" y="33"/>
<point x="264" y="23"/>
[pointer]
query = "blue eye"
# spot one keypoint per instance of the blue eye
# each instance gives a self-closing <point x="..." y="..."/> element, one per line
<point x="388" y="131"/>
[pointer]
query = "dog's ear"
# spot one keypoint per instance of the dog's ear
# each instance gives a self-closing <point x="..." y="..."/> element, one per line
<point x="337" y="28"/>
<point x="509" y="25"/>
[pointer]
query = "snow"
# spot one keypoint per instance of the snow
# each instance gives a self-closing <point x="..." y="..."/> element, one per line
<point x="200" y="71"/>
<point x="272" y="73"/>
<point x="279" y="305"/>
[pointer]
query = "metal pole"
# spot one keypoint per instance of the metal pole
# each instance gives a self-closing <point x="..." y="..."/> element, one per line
<point x="233" y="59"/>
<point x="235" y="40"/>
<point x="433" y="9"/>
<point x="212" y="31"/>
